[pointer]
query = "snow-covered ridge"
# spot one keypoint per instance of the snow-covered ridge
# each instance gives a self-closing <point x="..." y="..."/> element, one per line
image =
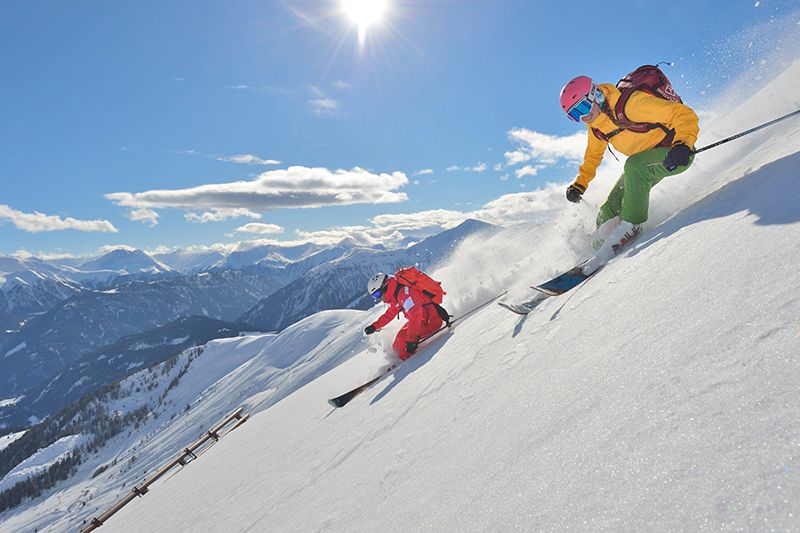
<point x="5" y="440"/>
<point x="41" y="460"/>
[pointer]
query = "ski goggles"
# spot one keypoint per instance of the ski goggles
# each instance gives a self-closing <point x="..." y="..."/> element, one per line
<point x="377" y="295"/>
<point x="583" y="107"/>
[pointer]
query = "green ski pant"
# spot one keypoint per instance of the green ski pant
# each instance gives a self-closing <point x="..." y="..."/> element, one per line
<point x="630" y="197"/>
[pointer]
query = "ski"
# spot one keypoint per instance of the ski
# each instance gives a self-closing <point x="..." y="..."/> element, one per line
<point x="523" y="308"/>
<point x="341" y="401"/>
<point x="564" y="282"/>
<point x="344" y="399"/>
<point x="575" y="276"/>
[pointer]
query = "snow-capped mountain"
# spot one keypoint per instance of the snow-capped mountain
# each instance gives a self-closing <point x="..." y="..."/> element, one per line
<point x="28" y="293"/>
<point x="341" y="283"/>
<point x="110" y="363"/>
<point x="7" y="322"/>
<point x="90" y="320"/>
<point x="62" y="326"/>
<point x="189" y="262"/>
<point x="268" y="254"/>
<point x="33" y="286"/>
<point x="125" y="261"/>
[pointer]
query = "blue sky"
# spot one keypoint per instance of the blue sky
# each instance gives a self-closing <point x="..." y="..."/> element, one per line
<point x="195" y="123"/>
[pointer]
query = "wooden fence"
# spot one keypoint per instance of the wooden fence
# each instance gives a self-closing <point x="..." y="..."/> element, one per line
<point x="187" y="455"/>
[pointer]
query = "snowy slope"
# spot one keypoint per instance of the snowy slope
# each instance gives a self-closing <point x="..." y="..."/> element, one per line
<point x="661" y="395"/>
<point x="7" y="439"/>
<point x="674" y="407"/>
<point x="254" y="372"/>
<point x="39" y="461"/>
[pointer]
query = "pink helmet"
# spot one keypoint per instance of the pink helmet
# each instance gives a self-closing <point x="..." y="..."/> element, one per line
<point x="574" y="90"/>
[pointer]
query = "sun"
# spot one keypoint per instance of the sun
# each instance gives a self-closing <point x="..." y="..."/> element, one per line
<point x="364" y="13"/>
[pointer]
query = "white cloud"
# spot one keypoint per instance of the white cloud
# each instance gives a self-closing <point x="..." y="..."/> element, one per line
<point x="453" y="168"/>
<point x="218" y="215"/>
<point x="22" y="254"/>
<point x="46" y="256"/>
<point x="113" y="247"/>
<point x="389" y="229"/>
<point x="38" y="222"/>
<point x="193" y="248"/>
<point x="260" y="229"/>
<point x="321" y="103"/>
<point x="324" y="106"/>
<point x="432" y="219"/>
<point x="144" y="215"/>
<point x="238" y="87"/>
<point x="527" y="170"/>
<point x="160" y="249"/>
<point x="294" y="187"/>
<point x="532" y="145"/>
<point x="423" y="172"/>
<point x="247" y="159"/>
<point x="513" y="208"/>
<point x="341" y="85"/>
<point x="480" y="167"/>
<point x="361" y="234"/>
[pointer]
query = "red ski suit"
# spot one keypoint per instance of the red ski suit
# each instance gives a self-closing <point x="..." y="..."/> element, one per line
<point x="418" y="309"/>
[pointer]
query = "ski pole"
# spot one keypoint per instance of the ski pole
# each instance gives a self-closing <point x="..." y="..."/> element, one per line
<point x="751" y="130"/>
<point x="456" y="319"/>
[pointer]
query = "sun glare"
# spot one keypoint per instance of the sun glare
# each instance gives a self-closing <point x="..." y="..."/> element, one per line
<point x="364" y="13"/>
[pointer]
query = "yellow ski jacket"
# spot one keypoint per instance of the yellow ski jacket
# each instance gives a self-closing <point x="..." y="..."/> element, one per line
<point x="641" y="107"/>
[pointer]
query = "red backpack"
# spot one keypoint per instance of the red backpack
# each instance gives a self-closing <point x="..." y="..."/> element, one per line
<point x="647" y="78"/>
<point x="411" y="277"/>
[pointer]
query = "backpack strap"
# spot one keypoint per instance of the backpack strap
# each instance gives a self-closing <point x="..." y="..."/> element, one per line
<point x="398" y="287"/>
<point x="621" y="121"/>
<point x="442" y="312"/>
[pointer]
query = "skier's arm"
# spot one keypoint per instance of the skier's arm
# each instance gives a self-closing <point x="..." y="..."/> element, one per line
<point x="591" y="160"/>
<point x="643" y="107"/>
<point x="387" y="316"/>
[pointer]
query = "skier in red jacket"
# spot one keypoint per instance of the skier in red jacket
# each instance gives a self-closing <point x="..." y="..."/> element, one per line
<point x="420" y="310"/>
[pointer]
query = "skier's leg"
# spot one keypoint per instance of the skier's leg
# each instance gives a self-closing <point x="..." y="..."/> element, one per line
<point x="642" y="172"/>
<point x="613" y="203"/>
<point x="433" y="322"/>
<point x="401" y="341"/>
<point x="416" y="328"/>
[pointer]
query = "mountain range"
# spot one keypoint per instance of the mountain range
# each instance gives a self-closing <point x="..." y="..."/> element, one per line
<point x="60" y="318"/>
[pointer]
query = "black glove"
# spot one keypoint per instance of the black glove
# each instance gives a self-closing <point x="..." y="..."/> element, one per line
<point x="678" y="156"/>
<point x="369" y="330"/>
<point x="411" y="347"/>
<point x="574" y="193"/>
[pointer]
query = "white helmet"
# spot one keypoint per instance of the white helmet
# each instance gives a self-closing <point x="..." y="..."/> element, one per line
<point x="376" y="283"/>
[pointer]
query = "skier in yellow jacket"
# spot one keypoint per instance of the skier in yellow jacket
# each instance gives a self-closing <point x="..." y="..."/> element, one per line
<point x="658" y="136"/>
